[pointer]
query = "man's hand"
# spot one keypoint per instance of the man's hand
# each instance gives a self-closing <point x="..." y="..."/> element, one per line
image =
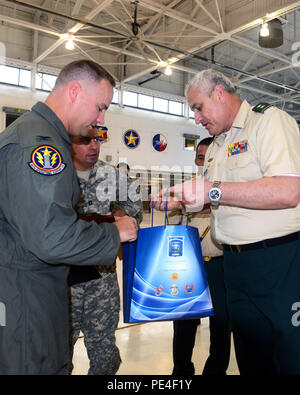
<point x="127" y="228"/>
<point x="118" y="213"/>
<point x="160" y="200"/>
<point x="189" y="195"/>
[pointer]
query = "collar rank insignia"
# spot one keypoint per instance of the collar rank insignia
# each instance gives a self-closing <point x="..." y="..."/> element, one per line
<point x="47" y="160"/>
<point x="238" y="148"/>
<point x="261" y="107"/>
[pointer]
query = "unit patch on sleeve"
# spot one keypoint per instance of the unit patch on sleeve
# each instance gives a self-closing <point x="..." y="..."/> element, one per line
<point x="46" y="160"/>
<point x="238" y="148"/>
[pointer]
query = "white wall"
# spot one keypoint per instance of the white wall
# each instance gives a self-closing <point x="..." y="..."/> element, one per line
<point x="118" y="120"/>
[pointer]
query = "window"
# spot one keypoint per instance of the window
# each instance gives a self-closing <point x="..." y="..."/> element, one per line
<point x="49" y="81"/>
<point x="115" y="98"/>
<point x="45" y="81"/>
<point x="160" y="104"/>
<point x="175" y="107"/>
<point x="130" y="98"/>
<point x="145" y="101"/>
<point x="9" y="75"/>
<point x="189" y="144"/>
<point x="15" y="76"/>
<point x="25" y="78"/>
<point x="38" y="80"/>
<point x="149" y="102"/>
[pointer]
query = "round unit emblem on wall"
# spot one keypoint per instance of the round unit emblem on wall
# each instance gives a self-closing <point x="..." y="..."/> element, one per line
<point x="159" y="142"/>
<point x="131" y="138"/>
<point x="102" y="133"/>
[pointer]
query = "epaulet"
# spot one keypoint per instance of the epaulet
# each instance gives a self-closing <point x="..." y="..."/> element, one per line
<point x="261" y="107"/>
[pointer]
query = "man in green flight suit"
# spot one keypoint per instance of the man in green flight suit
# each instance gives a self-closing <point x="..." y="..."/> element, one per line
<point x="39" y="231"/>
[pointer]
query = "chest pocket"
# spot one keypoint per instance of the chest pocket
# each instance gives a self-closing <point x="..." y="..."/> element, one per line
<point x="240" y="160"/>
<point x="242" y="167"/>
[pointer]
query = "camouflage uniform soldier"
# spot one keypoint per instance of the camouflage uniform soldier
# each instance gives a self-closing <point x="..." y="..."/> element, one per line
<point x="95" y="299"/>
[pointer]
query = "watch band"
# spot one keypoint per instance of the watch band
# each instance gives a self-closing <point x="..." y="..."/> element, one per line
<point x="215" y="186"/>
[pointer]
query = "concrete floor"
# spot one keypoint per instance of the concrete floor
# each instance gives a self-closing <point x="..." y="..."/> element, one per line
<point x="146" y="349"/>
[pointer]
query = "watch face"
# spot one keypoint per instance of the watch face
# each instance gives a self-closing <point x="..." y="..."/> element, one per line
<point x="214" y="194"/>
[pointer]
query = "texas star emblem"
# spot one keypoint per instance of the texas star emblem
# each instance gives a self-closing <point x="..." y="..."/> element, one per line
<point x="159" y="142"/>
<point x="131" y="138"/>
<point x="46" y="160"/>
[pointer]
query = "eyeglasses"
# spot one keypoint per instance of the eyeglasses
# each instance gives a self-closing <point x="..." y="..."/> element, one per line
<point x="82" y="140"/>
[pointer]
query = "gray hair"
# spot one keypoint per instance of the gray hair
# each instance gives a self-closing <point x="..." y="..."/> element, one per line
<point x="206" y="80"/>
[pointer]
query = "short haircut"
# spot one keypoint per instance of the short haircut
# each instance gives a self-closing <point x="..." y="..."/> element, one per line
<point x="206" y="80"/>
<point x="207" y="141"/>
<point x="81" y="70"/>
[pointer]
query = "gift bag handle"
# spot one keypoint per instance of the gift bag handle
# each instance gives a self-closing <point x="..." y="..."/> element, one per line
<point x="166" y="209"/>
<point x="166" y="213"/>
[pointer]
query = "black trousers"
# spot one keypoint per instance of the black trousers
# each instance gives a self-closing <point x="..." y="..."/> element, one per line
<point x="220" y="329"/>
<point x="263" y="293"/>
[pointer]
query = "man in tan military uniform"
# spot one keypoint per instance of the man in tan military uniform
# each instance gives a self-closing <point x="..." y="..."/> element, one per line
<point x="252" y="180"/>
<point x="219" y="324"/>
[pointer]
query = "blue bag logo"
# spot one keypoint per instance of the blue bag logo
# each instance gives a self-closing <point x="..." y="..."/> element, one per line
<point x="169" y="282"/>
<point x="175" y="246"/>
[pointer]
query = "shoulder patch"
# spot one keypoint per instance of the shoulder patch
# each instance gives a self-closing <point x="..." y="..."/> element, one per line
<point x="46" y="160"/>
<point x="261" y="107"/>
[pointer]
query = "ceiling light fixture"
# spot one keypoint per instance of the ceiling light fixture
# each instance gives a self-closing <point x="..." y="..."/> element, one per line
<point x="70" y="43"/>
<point x="264" y="31"/>
<point x="271" y="34"/>
<point x="168" y="70"/>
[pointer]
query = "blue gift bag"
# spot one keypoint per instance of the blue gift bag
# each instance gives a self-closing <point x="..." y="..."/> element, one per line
<point x="164" y="276"/>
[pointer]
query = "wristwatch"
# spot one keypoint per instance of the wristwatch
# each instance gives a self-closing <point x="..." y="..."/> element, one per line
<point x="215" y="194"/>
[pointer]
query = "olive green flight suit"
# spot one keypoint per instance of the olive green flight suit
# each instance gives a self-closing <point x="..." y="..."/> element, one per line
<point x="39" y="237"/>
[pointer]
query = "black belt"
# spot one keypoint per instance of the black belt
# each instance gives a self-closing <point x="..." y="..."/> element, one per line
<point x="263" y="244"/>
<point x="212" y="258"/>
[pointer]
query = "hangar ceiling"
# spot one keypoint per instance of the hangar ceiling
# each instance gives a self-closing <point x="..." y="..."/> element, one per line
<point x="136" y="40"/>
